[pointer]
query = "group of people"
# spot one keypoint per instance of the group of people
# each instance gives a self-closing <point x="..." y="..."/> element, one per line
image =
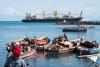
<point x="16" y="49"/>
<point x="13" y="57"/>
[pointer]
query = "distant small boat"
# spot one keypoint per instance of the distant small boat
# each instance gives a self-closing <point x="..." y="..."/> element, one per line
<point x="74" y="29"/>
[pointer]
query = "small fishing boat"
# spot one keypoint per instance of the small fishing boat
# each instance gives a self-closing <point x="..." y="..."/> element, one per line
<point x="87" y="51"/>
<point x="60" y="50"/>
<point x="74" y="29"/>
<point x="27" y="49"/>
<point x="87" y="48"/>
<point x="79" y="27"/>
<point x="61" y="47"/>
<point x="41" y="43"/>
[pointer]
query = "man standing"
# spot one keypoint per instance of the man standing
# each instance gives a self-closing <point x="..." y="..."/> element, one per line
<point x="14" y="60"/>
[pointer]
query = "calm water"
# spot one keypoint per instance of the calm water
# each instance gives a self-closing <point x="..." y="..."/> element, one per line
<point x="12" y="31"/>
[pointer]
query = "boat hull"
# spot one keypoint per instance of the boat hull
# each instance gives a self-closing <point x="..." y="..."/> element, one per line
<point x="92" y="51"/>
<point x="52" y="20"/>
<point x="74" y="29"/>
<point x="28" y="54"/>
<point x="86" y="51"/>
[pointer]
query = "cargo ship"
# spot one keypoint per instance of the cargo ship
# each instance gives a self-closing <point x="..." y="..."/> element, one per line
<point x="54" y="17"/>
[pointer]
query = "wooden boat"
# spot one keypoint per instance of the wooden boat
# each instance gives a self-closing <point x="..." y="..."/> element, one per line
<point x="65" y="50"/>
<point x="61" y="47"/>
<point x="87" y="51"/>
<point x="28" y="54"/>
<point x="41" y="42"/>
<point x="27" y="49"/>
<point x="87" y="48"/>
<point x="60" y="50"/>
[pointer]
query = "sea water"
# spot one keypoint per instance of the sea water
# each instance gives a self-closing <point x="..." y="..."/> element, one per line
<point x="15" y="30"/>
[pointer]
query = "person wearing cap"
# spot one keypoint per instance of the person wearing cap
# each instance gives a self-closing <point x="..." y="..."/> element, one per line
<point x="14" y="60"/>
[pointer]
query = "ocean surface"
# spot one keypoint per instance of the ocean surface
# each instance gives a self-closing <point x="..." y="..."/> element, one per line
<point x="14" y="30"/>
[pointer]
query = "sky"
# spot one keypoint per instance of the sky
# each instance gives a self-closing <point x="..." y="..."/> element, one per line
<point x="15" y="10"/>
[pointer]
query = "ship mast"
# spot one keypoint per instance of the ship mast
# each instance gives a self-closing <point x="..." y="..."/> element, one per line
<point x="55" y="13"/>
<point x="69" y="14"/>
<point x="43" y="14"/>
<point x="81" y="13"/>
<point x="81" y="17"/>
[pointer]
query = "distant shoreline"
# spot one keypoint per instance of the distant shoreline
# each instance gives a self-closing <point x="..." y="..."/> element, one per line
<point x="10" y="21"/>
